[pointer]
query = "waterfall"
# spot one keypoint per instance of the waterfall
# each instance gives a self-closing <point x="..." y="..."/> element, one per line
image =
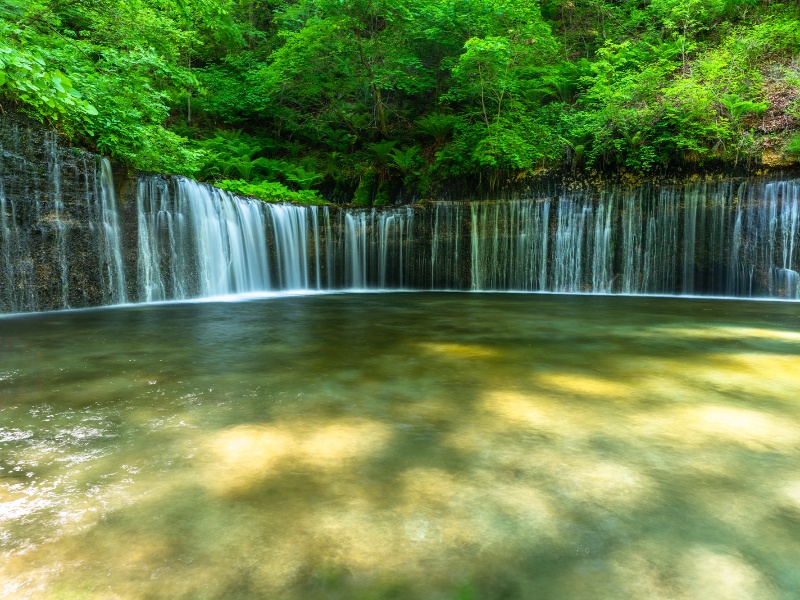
<point x="330" y="277"/>
<point x="202" y="242"/>
<point x="291" y="230"/>
<point x="191" y="240"/>
<point x="103" y="223"/>
<point x="631" y="244"/>
<point x="509" y="242"/>
<point x="355" y="234"/>
<point x="113" y="273"/>
<point x="661" y="253"/>
<point x="151" y="201"/>
<point x="315" y="231"/>
<point x="603" y="251"/>
<point x="475" y="240"/>
<point x="568" y="247"/>
<point x="446" y="271"/>
<point x="724" y="239"/>
<point x="691" y="205"/>
<point x="228" y="237"/>
<point x="18" y="289"/>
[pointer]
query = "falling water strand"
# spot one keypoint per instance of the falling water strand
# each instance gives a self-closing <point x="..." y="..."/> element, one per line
<point x="111" y="246"/>
<point x="58" y="226"/>
<point x="290" y="226"/>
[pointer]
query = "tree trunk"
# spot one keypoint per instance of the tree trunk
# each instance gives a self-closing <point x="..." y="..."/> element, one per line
<point x="376" y="94"/>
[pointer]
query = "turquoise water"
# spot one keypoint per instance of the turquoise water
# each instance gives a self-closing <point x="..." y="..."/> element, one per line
<point x="403" y="446"/>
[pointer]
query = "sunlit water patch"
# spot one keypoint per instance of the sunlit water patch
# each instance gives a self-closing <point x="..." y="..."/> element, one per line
<point x="403" y="446"/>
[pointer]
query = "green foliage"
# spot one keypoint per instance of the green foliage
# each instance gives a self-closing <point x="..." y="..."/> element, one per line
<point x="406" y="160"/>
<point x="269" y="191"/>
<point x="282" y="98"/>
<point x="793" y="147"/>
<point x="738" y="107"/>
<point x="382" y="151"/>
<point x="440" y="127"/>
<point x="684" y="15"/>
<point x="365" y="189"/>
<point x="229" y="153"/>
<point x="304" y="178"/>
<point x="47" y="91"/>
<point x="382" y="196"/>
<point x="108" y="73"/>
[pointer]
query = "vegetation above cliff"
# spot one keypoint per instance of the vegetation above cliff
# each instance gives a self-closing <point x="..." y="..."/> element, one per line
<point x="364" y="99"/>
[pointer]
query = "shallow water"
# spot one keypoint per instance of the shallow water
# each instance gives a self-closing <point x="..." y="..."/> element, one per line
<point x="403" y="446"/>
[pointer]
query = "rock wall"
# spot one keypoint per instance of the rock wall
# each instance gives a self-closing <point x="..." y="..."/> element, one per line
<point x="53" y="208"/>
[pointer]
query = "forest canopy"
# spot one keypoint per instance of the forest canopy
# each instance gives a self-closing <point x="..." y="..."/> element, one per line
<point x="367" y="100"/>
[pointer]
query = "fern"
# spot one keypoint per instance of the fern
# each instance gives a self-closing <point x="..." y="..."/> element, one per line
<point x="304" y="178"/>
<point x="793" y="147"/>
<point x="439" y="127"/>
<point x="405" y="160"/>
<point x="738" y="107"/>
<point x="382" y="149"/>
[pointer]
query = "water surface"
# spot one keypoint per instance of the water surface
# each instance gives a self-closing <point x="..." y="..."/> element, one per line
<point x="403" y="446"/>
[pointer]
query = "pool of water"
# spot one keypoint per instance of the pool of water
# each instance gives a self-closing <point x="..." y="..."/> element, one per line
<point x="442" y="446"/>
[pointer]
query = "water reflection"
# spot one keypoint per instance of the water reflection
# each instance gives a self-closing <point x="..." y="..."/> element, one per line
<point x="403" y="446"/>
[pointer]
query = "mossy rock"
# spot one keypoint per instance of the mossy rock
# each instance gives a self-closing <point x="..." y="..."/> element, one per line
<point x="364" y="191"/>
<point x="382" y="197"/>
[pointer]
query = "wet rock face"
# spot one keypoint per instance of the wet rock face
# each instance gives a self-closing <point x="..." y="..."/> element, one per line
<point x="51" y="221"/>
